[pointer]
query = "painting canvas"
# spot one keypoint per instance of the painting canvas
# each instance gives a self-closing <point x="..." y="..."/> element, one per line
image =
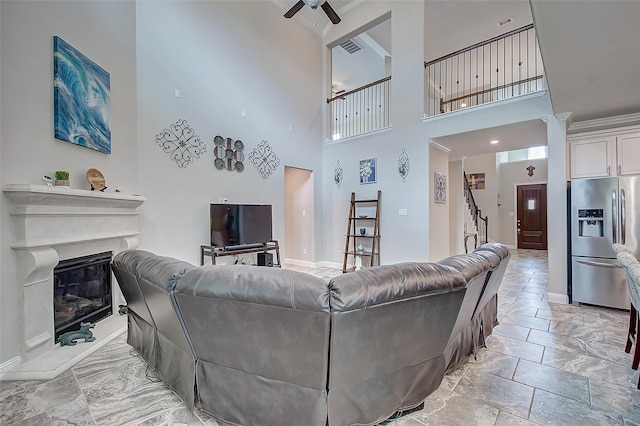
<point x="368" y="171"/>
<point x="476" y="180"/>
<point x="439" y="188"/>
<point x="82" y="99"/>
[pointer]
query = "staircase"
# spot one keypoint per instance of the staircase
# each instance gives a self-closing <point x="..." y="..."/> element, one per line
<point x="476" y="227"/>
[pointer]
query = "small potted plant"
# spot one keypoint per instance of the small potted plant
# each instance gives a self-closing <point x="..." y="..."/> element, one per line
<point x="62" y="178"/>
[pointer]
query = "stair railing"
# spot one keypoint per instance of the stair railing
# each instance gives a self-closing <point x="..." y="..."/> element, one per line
<point x="481" y="223"/>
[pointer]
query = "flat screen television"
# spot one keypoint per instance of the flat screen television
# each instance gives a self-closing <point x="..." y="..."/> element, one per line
<point x="240" y="224"/>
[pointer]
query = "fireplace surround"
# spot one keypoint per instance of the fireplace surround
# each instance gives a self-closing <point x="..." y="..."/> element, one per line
<point x="53" y="224"/>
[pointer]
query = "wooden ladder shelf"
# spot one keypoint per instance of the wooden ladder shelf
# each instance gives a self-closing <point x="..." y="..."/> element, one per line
<point x="362" y="248"/>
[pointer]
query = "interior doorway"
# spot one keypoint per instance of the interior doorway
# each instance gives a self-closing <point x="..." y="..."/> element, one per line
<point x="299" y="217"/>
<point x="531" y="220"/>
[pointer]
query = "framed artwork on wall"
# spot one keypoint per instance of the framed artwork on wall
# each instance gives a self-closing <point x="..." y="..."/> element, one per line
<point x="476" y="180"/>
<point x="81" y="99"/>
<point x="368" y="171"/>
<point x="439" y="188"/>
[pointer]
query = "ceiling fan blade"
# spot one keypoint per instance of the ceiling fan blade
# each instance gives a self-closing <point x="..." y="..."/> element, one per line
<point x="295" y="9"/>
<point x="331" y="14"/>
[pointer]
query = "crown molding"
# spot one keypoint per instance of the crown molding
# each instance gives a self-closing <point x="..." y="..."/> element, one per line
<point x="439" y="146"/>
<point x="601" y="123"/>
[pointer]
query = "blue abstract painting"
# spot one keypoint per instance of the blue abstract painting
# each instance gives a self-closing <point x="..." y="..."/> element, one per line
<point x="81" y="97"/>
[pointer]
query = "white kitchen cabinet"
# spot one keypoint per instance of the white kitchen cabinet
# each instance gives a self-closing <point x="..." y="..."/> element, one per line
<point x="605" y="153"/>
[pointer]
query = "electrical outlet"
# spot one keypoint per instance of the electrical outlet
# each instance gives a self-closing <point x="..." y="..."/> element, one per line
<point x="304" y="251"/>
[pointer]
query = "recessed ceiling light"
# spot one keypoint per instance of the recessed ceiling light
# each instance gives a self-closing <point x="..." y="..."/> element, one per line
<point x="495" y="141"/>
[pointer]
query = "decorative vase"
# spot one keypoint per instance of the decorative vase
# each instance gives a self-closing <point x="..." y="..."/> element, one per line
<point x="360" y="248"/>
<point x="363" y="231"/>
<point x="60" y="182"/>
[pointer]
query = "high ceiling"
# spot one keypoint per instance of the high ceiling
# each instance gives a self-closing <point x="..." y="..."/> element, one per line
<point x="590" y="50"/>
<point x="591" y="55"/>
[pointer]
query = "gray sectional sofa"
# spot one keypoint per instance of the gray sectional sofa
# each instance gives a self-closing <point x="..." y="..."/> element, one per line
<point x="270" y="346"/>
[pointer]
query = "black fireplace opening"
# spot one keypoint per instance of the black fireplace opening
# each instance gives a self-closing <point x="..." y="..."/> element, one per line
<point x="81" y="291"/>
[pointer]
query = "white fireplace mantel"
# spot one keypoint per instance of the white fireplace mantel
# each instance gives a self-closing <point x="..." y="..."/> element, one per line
<point x="52" y="224"/>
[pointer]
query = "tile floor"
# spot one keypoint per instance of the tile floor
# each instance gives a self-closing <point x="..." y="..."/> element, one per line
<point x="546" y="364"/>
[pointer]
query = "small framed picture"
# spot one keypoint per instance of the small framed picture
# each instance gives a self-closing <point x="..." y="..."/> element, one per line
<point x="439" y="188"/>
<point x="368" y="172"/>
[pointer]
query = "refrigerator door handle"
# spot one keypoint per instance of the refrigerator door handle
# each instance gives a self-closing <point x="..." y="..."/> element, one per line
<point x="614" y="216"/>
<point x="606" y="265"/>
<point x="623" y="218"/>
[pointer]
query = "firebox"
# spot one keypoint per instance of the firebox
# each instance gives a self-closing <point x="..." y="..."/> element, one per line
<point x="81" y="291"/>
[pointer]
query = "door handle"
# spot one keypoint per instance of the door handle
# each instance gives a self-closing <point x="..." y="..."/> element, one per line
<point x="591" y="263"/>
<point x="623" y="217"/>
<point x="619" y="169"/>
<point x="614" y="216"/>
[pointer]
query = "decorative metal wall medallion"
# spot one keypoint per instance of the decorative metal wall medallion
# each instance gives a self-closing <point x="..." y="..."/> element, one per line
<point x="264" y="159"/>
<point x="181" y="143"/>
<point x="531" y="169"/>
<point x="403" y="165"/>
<point x="228" y="154"/>
<point x="337" y="174"/>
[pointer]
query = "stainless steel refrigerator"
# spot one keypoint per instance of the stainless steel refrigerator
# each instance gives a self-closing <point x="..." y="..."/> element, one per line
<point x="603" y="212"/>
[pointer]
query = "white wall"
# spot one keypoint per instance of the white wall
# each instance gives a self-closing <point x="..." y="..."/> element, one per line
<point x="438" y="212"/>
<point x="231" y="57"/>
<point x="299" y="220"/>
<point x="486" y="199"/>
<point x="456" y="208"/>
<point x="28" y="147"/>
<point x="513" y="174"/>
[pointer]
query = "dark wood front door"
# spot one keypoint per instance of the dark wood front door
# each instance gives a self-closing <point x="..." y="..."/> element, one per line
<point x="532" y="216"/>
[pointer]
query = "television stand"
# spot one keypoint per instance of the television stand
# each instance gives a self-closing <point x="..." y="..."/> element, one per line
<point x="215" y="252"/>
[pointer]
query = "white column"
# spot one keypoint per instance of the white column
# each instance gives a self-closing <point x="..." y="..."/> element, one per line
<point x="557" y="207"/>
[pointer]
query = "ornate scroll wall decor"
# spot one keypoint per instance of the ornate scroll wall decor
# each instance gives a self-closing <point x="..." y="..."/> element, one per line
<point x="264" y="159"/>
<point x="337" y="174"/>
<point x="228" y="154"/>
<point x="181" y="143"/>
<point x="403" y="165"/>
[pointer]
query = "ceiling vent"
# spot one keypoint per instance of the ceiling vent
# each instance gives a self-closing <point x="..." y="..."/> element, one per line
<point x="351" y="46"/>
<point x="505" y="21"/>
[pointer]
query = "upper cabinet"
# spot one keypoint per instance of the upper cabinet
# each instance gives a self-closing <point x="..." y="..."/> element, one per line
<point x="613" y="152"/>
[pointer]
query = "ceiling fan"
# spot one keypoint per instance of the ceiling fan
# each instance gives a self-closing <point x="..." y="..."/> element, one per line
<point x="331" y="14"/>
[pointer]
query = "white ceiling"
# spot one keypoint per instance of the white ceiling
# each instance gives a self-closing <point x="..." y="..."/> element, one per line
<point x="511" y="137"/>
<point x="590" y="50"/>
<point x="591" y="54"/>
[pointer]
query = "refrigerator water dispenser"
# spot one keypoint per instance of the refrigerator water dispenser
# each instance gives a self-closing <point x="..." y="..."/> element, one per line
<point x="590" y="223"/>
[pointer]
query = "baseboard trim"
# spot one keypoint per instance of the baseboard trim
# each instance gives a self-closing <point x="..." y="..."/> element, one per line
<point x="298" y="262"/>
<point x="558" y="298"/>
<point x="9" y="364"/>
<point x="327" y="264"/>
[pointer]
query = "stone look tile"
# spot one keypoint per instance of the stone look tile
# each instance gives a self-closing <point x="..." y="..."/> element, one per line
<point x="624" y="401"/>
<point x="29" y="398"/>
<point x="527" y="321"/>
<point x="551" y="409"/>
<point x="507" y="395"/>
<point x="516" y="348"/>
<point x="444" y="407"/>
<point x="578" y="329"/>
<point x="583" y="365"/>
<point x="494" y="363"/>
<point x="555" y="315"/>
<point x="506" y="419"/>
<point x="553" y="380"/>
<point x="610" y="351"/>
<point x="557" y="341"/>
<point x="451" y="379"/>
<point x="523" y="310"/>
<point x="179" y="415"/>
<point x="512" y="331"/>
<point x="624" y="376"/>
